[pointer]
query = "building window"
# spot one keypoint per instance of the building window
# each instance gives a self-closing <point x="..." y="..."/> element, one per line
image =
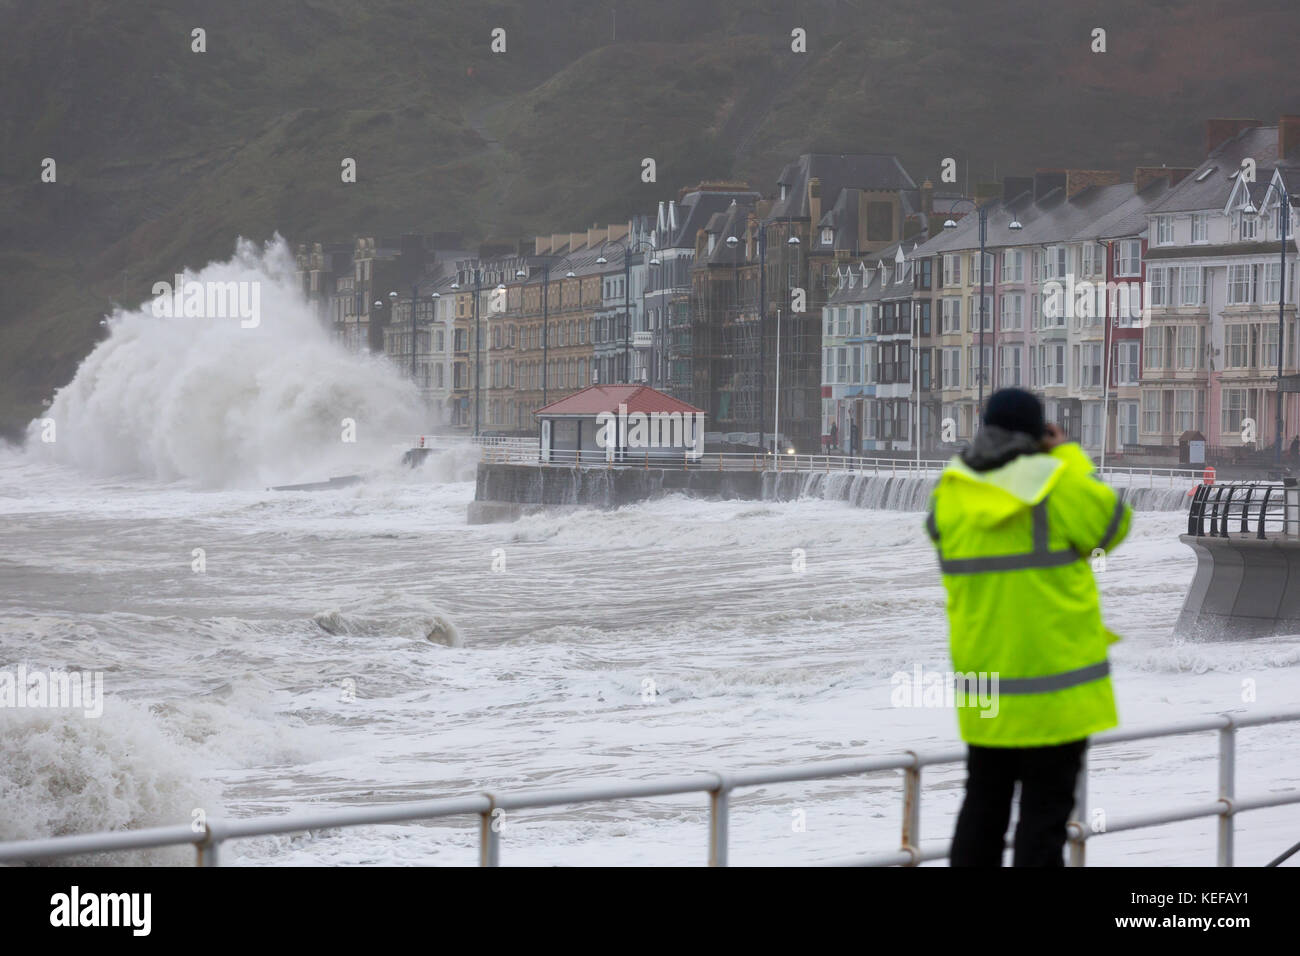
<point x="1241" y="284"/>
<point x="828" y="236"/>
<point x="1248" y="226"/>
<point x="1158" y="285"/>
<point x="1012" y="318"/>
<point x="1151" y="412"/>
<point x="1127" y="419"/>
<point x="1091" y="437"/>
<point x="1184" y="415"/>
<point x="1009" y="366"/>
<point x="1126" y="362"/>
<point x="975" y="371"/>
<point x="1128" y="258"/>
<point x="1186" y="353"/>
<point x="951" y="315"/>
<point x="1268" y="346"/>
<point x="1091" y="259"/>
<point x="1272" y="282"/>
<point x="1013" y="266"/>
<point x="950" y="369"/>
<point x="924" y="274"/>
<point x="1089" y="375"/>
<point x="951" y="270"/>
<point x="1236" y="339"/>
<point x="1164" y="230"/>
<point x="1234" y="409"/>
<point x="1192" y="285"/>
<point x="1055" y="262"/>
<point x="1201" y="227"/>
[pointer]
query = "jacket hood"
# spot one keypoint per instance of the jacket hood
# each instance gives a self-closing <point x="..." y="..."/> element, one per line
<point x="993" y="447"/>
<point x="1014" y="473"/>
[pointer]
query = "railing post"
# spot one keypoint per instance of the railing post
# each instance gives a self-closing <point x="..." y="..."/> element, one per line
<point x="1078" y="855"/>
<point x="1263" y="512"/>
<point x="1227" y="778"/>
<point x="1196" y="513"/>
<point x="489" y="837"/>
<point x="208" y="848"/>
<point x="912" y="809"/>
<point x="718" y="814"/>
<point x="1291" y="510"/>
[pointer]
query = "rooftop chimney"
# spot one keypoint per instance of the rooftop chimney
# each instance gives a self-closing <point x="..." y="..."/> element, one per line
<point x="1288" y="136"/>
<point x="1077" y="180"/>
<point x="1013" y="186"/>
<point x="1144" y="176"/>
<point x="1219" y="131"/>
<point x="1045" y="180"/>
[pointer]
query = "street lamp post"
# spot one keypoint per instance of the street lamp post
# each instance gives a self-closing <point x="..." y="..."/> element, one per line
<point x="1014" y="225"/>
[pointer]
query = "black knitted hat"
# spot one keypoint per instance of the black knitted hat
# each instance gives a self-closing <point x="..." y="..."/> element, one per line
<point x="1015" y="410"/>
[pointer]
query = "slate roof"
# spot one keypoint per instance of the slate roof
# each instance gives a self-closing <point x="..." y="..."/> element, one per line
<point x="837" y="172"/>
<point x="697" y="208"/>
<point x="1095" y="212"/>
<point x="731" y="221"/>
<point x="1211" y="184"/>
<point x="595" y="399"/>
<point x="858" y="291"/>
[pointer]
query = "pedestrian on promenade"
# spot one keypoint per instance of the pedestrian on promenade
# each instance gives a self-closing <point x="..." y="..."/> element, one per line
<point x="1019" y="521"/>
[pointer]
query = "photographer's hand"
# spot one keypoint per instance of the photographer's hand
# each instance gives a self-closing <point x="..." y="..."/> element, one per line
<point x="1053" y="436"/>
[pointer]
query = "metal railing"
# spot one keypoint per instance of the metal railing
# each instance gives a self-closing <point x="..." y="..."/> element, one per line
<point x="718" y="787"/>
<point x="1257" y="508"/>
<point x="527" y="452"/>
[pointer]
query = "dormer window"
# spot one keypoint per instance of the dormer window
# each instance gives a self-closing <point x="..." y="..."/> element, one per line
<point x="1247" y="224"/>
<point x="828" y="236"/>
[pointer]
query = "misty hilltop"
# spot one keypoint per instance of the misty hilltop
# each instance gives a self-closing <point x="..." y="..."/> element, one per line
<point x="165" y="155"/>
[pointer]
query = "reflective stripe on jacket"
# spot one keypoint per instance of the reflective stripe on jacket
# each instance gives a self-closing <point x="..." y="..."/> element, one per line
<point x="1015" y="547"/>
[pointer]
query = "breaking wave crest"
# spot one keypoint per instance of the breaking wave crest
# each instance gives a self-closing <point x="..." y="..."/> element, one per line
<point x="61" y="773"/>
<point x="223" y="405"/>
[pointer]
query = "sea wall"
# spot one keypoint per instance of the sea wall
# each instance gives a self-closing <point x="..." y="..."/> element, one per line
<point x="903" y="493"/>
<point x="1241" y="588"/>
<point x="607" y="487"/>
<point x="527" y="487"/>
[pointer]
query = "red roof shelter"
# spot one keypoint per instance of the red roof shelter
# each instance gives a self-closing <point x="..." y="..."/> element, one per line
<point x="615" y="422"/>
<point x="595" y="399"/>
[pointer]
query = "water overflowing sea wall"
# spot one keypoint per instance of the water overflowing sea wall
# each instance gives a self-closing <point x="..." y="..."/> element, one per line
<point x="505" y="491"/>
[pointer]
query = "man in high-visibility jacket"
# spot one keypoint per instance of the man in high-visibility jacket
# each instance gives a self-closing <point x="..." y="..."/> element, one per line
<point x="1019" y="520"/>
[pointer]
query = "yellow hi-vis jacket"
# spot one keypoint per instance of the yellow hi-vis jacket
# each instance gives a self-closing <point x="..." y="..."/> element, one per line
<point x="1016" y="546"/>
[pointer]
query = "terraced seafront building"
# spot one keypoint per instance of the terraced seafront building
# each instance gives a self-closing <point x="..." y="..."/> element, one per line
<point x="717" y="271"/>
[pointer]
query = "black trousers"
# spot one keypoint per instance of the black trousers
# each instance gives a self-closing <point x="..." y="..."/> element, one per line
<point x="1046" y="775"/>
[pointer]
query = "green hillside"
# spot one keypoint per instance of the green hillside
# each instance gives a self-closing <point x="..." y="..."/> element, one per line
<point x="165" y="156"/>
